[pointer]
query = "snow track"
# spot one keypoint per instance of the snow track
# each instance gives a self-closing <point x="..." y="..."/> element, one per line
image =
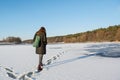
<point x="81" y="61"/>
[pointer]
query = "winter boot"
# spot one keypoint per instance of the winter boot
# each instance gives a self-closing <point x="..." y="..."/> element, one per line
<point x="39" y="68"/>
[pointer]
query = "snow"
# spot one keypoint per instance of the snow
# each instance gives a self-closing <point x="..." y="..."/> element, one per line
<point x="73" y="61"/>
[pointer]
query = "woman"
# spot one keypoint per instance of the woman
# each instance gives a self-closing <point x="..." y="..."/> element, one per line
<point x="41" y="49"/>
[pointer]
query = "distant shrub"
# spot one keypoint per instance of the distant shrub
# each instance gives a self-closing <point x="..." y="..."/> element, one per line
<point x="15" y="40"/>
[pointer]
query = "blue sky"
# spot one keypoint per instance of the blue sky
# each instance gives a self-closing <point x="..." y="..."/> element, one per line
<point x="22" y="18"/>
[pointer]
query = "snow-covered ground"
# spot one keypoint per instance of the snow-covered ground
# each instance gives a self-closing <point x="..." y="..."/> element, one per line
<point x="78" y="61"/>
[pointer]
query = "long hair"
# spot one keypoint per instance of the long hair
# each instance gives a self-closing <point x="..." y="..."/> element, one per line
<point x="41" y="30"/>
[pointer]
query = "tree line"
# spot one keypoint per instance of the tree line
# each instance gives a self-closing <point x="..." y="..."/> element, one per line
<point x="16" y="40"/>
<point x="112" y="33"/>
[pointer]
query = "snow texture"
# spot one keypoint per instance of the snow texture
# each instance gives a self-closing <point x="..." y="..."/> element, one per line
<point x="78" y="61"/>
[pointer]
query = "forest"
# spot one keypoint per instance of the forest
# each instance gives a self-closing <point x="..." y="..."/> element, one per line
<point x="110" y="34"/>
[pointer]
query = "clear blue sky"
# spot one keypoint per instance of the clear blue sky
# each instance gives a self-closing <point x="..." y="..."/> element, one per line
<point x="22" y="18"/>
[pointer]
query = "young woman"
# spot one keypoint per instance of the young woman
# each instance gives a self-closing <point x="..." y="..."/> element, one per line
<point x="41" y="48"/>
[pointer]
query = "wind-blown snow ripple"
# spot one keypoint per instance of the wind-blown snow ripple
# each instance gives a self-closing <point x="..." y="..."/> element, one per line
<point x="106" y="50"/>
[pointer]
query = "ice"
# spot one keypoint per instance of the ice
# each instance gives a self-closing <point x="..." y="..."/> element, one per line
<point x="106" y="49"/>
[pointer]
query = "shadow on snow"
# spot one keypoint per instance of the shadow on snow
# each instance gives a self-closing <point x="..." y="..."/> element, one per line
<point x="69" y="60"/>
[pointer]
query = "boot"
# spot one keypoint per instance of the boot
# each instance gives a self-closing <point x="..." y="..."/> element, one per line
<point x="39" y="68"/>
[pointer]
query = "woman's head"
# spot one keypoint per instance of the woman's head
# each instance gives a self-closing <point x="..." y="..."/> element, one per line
<point x="41" y="30"/>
